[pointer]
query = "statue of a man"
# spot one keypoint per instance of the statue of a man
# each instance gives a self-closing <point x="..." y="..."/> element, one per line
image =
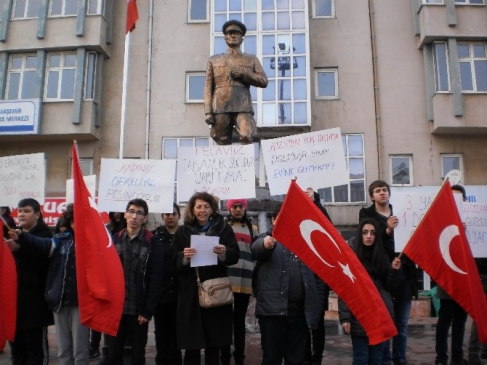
<point x="228" y="103"/>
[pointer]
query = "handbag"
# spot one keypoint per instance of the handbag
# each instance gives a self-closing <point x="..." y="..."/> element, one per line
<point x="214" y="292"/>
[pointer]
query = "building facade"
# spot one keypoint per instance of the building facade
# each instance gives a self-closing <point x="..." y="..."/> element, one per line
<point x="405" y="80"/>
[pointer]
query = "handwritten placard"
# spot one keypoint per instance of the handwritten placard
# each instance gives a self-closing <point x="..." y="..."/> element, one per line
<point x="90" y="182"/>
<point x="411" y="203"/>
<point x="225" y="171"/>
<point x="127" y="179"/>
<point x="316" y="159"/>
<point x="22" y="176"/>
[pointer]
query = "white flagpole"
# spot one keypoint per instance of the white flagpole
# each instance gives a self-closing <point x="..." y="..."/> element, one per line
<point x="124" y="94"/>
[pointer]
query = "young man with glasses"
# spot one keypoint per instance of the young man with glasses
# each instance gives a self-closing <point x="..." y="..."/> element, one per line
<point x="165" y="324"/>
<point x="141" y="256"/>
<point x="407" y="286"/>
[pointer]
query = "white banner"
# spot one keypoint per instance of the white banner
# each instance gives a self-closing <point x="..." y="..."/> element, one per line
<point x="316" y="159"/>
<point x="225" y="171"/>
<point x="127" y="179"/>
<point x="90" y="182"/>
<point x="411" y="203"/>
<point x="22" y="176"/>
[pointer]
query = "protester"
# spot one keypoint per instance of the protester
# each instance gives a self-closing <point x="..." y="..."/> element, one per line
<point x="450" y="314"/>
<point x="289" y="300"/>
<point x="407" y="285"/>
<point x="316" y="339"/>
<point x="9" y="221"/>
<point x="208" y="328"/>
<point x="142" y="257"/>
<point x="240" y="276"/>
<point x="477" y="350"/>
<point x="369" y="250"/>
<point x="33" y="315"/>
<point x="166" y="310"/>
<point x="117" y="222"/>
<point x="61" y="289"/>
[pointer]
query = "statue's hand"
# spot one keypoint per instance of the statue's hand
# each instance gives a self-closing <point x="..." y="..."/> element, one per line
<point x="237" y="73"/>
<point x="209" y="119"/>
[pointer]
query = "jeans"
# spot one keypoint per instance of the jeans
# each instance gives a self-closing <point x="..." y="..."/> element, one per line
<point x="240" y="305"/>
<point x="284" y="338"/>
<point x="73" y="338"/>
<point x="475" y="348"/>
<point x="128" y="325"/>
<point x="165" y="334"/>
<point x="450" y="314"/>
<point x="364" y="354"/>
<point x="402" y="308"/>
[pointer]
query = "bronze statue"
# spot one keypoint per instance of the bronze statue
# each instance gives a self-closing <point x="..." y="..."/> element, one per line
<point x="228" y="103"/>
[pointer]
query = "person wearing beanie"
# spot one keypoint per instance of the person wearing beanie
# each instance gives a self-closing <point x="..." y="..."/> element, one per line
<point x="240" y="276"/>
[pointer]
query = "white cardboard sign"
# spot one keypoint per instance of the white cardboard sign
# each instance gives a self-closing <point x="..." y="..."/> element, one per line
<point x="90" y="182"/>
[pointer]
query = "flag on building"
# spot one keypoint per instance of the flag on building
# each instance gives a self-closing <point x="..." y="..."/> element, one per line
<point x="305" y="230"/>
<point x="132" y="15"/>
<point x="101" y="286"/>
<point x="440" y="247"/>
<point x="8" y="293"/>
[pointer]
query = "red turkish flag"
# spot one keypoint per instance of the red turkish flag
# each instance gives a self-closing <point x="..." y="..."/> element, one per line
<point x="440" y="247"/>
<point x="304" y="230"/>
<point x="8" y="294"/>
<point x="132" y="15"/>
<point x="99" y="272"/>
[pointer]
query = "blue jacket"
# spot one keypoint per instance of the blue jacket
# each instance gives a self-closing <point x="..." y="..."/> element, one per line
<point x="272" y="286"/>
<point x="61" y="287"/>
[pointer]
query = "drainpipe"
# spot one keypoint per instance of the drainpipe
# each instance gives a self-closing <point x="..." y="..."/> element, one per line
<point x="378" y="121"/>
<point x="149" y="80"/>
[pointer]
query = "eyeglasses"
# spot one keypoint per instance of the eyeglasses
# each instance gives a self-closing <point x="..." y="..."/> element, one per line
<point x="139" y="213"/>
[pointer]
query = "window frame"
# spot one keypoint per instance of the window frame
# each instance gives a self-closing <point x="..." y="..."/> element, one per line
<point x="59" y="69"/>
<point x="471" y="61"/>
<point x="26" y="10"/>
<point x="435" y="65"/>
<point x="434" y="2"/>
<point x="63" y="10"/>
<point x="189" y="75"/>
<point x="332" y="13"/>
<point x="469" y="2"/>
<point x="206" y="20"/>
<point x="334" y="71"/>
<point x="100" y="8"/>
<point x="410" y="167"/>
<point x="83" y="164"/>
<point x="92" y="77"/>
<point x="451" y="155"/>
<point x="18" y="71"/>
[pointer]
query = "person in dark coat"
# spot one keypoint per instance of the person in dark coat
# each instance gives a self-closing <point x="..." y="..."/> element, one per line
<point x="208" y="328"/>
<point x="33" y="315"/>
<point x="290" y="299"/>
<point x="165" y="324"/>
<point x="407" y="286"/>
<point x="371" y="254"/>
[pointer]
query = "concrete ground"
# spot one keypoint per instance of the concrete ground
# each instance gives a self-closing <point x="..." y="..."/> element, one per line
<point x="338" y="350"/>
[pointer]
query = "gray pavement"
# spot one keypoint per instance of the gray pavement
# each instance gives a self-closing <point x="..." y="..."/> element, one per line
<point x="338" y="350"/>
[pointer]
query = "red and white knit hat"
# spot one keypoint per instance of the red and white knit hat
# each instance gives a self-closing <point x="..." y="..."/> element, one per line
<point x="230" y="202"/>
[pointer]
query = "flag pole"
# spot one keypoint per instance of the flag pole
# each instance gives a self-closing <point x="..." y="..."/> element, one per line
<point x="124" y="94"/>
<point x="6" y="224"/>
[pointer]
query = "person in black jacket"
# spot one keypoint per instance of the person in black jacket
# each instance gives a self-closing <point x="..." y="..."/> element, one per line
<point x="372" y="256"/>
<point x="142" y="260"/>
<point x="289" y="298"/>
<point x="33" y="315"/>
<point x="166" y="310"/>
<point x="407" y="286"/>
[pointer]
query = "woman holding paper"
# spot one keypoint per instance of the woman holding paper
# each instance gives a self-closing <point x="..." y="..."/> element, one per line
<point x="208" y="328"/>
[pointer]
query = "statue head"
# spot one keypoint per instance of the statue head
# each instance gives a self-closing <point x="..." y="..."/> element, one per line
<point x="234" y="25"/>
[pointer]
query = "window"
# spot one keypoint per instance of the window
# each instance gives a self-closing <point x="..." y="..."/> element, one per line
<point x="277" y="34"/>
<point x="60" y="76"/>
<point x="473" y="66"/>
<point x="469" y="2"/>
<point x="323" y="8"/>
<point x="21" y="77"/>
<point x="354" y="191"/>
<point x="90" y="76"/>
<point x="442" y="72"/>
<point x="401" y="170"/>
<point x="198" y="10"/>
<point x="326" y="81"/>
<point x="63" y="7"/>
<point x="86" y="165"/>
<point x="195" y="85"/>
<point x="26" y="9"/>
<point x="432" y="1"/>
<point x="95" y="7"/>
<point x="451" y="162"/>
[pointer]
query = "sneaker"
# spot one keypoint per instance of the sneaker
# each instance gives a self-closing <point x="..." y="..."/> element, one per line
<point x="94" y="354"/>
<point x="459" y="362"/>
